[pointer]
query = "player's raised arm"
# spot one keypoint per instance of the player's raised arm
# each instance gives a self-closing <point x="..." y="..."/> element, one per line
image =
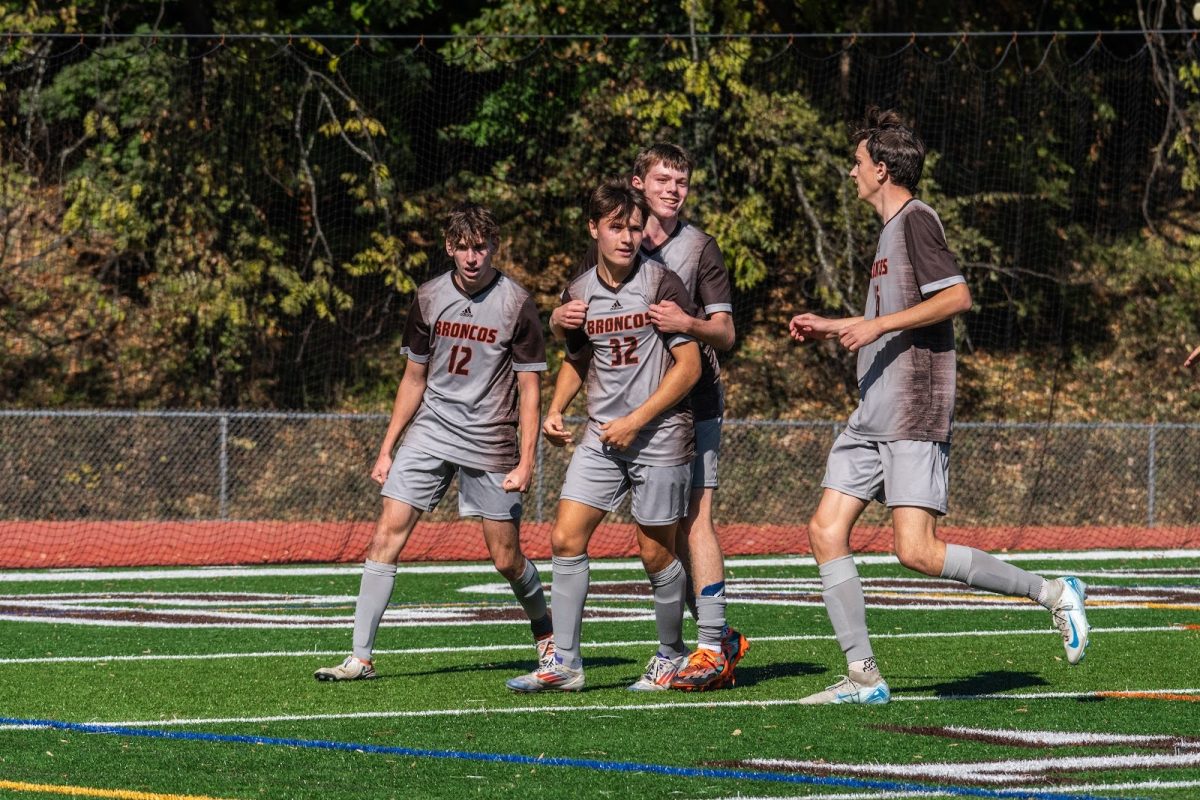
<point x="676" y="383"/>
<point x="1194" y="358"/>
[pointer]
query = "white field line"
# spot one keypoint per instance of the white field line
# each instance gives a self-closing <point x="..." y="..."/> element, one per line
<point x="560" y="709"/>
<point x="992" y="772"/>
<point x="184" y="573"/>
<point x="525" y="646"/>
<point x="1060" y="738"/>
<point x="1141" y="786"/>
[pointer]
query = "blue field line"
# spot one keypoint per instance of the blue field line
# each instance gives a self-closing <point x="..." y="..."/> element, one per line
<point x="577" y="763"/>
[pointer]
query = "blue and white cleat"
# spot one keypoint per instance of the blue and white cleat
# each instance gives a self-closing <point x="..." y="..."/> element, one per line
<point x="853" y="688"/>
<point x="553" y="677"/>
<point x="1070" y="617"/>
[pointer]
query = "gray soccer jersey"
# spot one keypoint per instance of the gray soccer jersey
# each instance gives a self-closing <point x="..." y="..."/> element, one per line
<point x="629" y="359"/>
<point x="906" y="378"/>
<point x="694" y="256"/>
<point x="473" y="345"/>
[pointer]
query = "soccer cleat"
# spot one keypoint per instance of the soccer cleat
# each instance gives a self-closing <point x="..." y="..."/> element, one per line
<point x="704" y="670"/>
<point x="851" y="688"/>
<point x="545" y="650"/>
<point x="733" y="647"/>
<point x="554" y="677"/>
<point x="352" y="669"/>
<point x="1070" y="618"/>
<point x="659" y="672"/>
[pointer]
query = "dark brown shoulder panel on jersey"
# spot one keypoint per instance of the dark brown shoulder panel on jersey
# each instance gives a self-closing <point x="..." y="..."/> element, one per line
<point x="712" y="287"/>
<point x="928" y="253"/>
<point x="528" y="345"/>
<point x="416" y="330"/>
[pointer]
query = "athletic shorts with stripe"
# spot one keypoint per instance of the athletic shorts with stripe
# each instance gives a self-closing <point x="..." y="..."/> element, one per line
<point x="421" y="480"/>
<point x="900" y="473"/>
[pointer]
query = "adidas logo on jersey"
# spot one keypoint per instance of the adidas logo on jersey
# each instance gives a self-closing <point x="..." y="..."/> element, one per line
<point x="616" y="304"/>
<point x="466" y="312"/>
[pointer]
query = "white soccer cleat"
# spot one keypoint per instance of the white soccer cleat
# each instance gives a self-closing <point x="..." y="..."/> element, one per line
<point x="554" y="677"/>
<point x="1070" y="617"/>
<point x="545" y="651"/>
<point x="659" y="672"/>
<point x="851" y="689"/>
<point x="352" y="669"/>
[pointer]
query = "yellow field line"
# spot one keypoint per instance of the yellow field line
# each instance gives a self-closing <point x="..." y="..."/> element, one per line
<point x="85" y="791"/>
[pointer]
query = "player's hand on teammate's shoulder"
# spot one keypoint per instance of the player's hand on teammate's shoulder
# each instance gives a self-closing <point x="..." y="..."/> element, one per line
<point x="569" y="315"/>
<point x="1193" y="359"/>
<point x="383" y="465"/>
<point x="668" y="317"/>
<point x="519" y="479"/>
<point x="554" y="431"/>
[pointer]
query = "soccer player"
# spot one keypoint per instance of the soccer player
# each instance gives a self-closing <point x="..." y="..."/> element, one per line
<point x="638" y="437"/>
<point x="475" y="353"/>
<point x="896" y="447"/>
<point x="663" y="173"/>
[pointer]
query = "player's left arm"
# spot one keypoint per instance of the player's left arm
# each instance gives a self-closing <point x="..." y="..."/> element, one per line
<point x="937" y="274"/>
<point x="712" y="324"/>
<point x="675" y="385"/>
<point x="529" y="361"/>
<point x="529" y="412"/>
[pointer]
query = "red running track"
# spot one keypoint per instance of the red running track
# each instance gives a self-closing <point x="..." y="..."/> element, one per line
<point x="34" y="545"/>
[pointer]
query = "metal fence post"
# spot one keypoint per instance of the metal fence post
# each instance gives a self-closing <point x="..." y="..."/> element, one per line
<point x="1151" y="475"/>
<point x="223" y="468"/>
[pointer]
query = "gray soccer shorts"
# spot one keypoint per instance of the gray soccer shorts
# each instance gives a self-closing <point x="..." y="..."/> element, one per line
<point x="708" y="450"/>
<point x="421" y="480"/>
<point x="900" y="473"/>
<point x="599" y="480"/>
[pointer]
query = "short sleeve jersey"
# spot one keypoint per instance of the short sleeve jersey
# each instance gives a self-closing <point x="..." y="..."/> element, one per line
<point x="473" y="345"/>
<point x="696" y="258"/>
<point x="629" y="359"/>
<point x="906" y="378"/>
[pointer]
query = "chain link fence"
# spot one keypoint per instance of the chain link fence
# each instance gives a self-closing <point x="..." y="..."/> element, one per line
<point x="213" y="466"/>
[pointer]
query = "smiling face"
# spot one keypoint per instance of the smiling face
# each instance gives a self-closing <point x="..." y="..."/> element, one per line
<point x="666" y="188"/>
<point x="472" y="261"/>
<point x="618" y="237"/>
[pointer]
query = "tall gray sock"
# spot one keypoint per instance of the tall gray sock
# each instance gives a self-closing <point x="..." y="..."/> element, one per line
<point x="568" y="593"/>
<point x="710" y="617"/>
<point x="669" y="588"/>
<point x="528" y="591"/>
<point x="374" y="592"/>
<point x="983" y="571"/>
<point x="843" y="595"/>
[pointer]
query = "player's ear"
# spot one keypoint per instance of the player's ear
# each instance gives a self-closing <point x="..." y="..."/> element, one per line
<point x="593" y="229"/>
<point x="450" y="248"/>
<point x="637" y="182"/>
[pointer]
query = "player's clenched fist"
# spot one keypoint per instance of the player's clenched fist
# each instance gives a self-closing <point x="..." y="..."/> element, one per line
<point x="619" y="433"/>
<point x="553" y="430"/>
<point x="383" y="465"/>
<point x="668" y="317"/>
<point x="519" y="479"/>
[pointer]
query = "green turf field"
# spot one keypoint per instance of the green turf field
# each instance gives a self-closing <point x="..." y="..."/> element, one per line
<point x="198" y="683"/>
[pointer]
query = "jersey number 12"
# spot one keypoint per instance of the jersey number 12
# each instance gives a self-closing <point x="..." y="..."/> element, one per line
<point x="460" y="356"/>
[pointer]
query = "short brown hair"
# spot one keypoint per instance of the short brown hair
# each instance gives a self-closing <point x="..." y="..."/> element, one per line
<point x="892" y="141"/>
<point x="616" y="196"/>
<point x="471" y="223"/>
<point x="672" y="155"/>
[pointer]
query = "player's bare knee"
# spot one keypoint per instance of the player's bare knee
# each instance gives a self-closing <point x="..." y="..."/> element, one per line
<point x="916" y="558"/>
<point x="510" y="565"/>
